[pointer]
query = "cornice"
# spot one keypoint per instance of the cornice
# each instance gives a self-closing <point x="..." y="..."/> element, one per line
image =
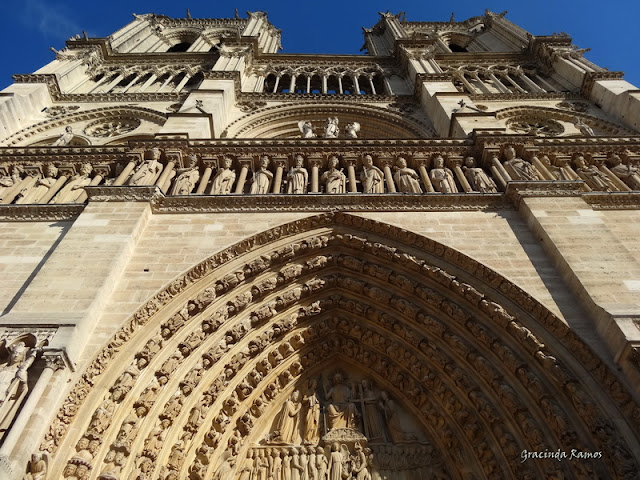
<point x="518" y="190"/>
<point x="39" y="213"/>
<point x="333" y="203"/>
<point x="123" y="193"/>
<point x="591" y="78"/>
<point x="613" y="201"/>
<point x="316" y="97"/>
<point x="502" y="97"/>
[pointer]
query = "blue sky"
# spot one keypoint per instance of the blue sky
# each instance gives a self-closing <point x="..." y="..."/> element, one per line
<point x="29" y="27"/>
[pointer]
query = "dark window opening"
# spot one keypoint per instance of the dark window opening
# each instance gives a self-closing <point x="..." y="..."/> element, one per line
<point x="454" y="47"/>
<point x="180" y="47"/>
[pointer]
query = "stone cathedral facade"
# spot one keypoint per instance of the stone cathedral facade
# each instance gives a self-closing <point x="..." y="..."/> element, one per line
<point x="224" y="262"/>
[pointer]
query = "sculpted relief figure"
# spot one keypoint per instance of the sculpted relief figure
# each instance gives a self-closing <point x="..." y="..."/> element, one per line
<point x="298" y="177"/>
<point x="334" y="180"/>
<point x="518" y="168"/>
<point x="442" y="177"/>
<point x="371" y="416"/>
<point x="75" y="186"/>
<point x="224" y="179"/>
<point x="147" y="172"/>
<point x="331" y="129"/>
<point x="407" y="180"/>
<point x="306" y="129"/>
<point x="187" y="177"/>
<point x="585" y="129"/>
<point x="312" y="414"/>
<point x="336" y="459"/>
<point x="352" y="129"/>
<point x="341" y="411"/>
<point x="262" y="178"/>
<point x="288" y="424"/>
<point x="592" y="175"/>
<point x="626" y="172"/>
<point x="477" y="178"/>
<point x="38" y="466"/>
<point x="371" y="177"/>
<point x="8" y="181"/>
<point x="390" y="411"/>
<point x="65" y="138"/>
<point x="13" y="381"/>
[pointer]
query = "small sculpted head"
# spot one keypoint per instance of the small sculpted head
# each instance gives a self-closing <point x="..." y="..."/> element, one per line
<point x="402" y="162"/>
<point x="368" y="160"/>
<point x="510" y="153"/>
<point x="299" y="161"/>
<point x="438" y="162"/>
<point x="470" y="162"/>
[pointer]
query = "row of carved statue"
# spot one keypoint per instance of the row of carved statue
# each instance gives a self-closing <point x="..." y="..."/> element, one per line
<point x="28" y="185"/>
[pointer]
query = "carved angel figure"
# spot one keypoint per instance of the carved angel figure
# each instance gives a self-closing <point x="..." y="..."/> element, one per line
<point x="306" y="128"/>
<point x="331" y="129"/>
<point x="352" y="129"/>
<point x="223" y="181"/>
<point x="585" y="129"/>
<point x="187" y="178"/>
<point x="38" y="466"/>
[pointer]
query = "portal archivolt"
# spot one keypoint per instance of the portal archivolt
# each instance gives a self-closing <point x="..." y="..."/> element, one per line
<point x="446" y="370"/>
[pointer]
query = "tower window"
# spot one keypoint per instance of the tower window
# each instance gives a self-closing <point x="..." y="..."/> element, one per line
<point x="454" y="47"/>
<point x="180" y="47"/>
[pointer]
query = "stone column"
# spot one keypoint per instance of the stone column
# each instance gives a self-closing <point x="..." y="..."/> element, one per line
<point x="149" y="82"/>
<point x="422" y="163"/>
<point x="351" y="163"/>
<point x="454" y="162"/>
<point x="387" y="163"/>
<point x="100" y="171"/>
<point x="135" y="158"/>
<point x="166" y="176"/>
<point x="315" y="163"/>
<point x="209" y="164"/>
<point x="245" y="164"/>
<point x="281" y="165"/>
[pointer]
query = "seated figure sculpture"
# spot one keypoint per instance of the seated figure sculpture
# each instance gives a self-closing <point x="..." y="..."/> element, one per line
<point x="341" y="411"/>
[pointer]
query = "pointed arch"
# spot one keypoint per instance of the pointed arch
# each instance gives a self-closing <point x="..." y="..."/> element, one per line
<point x="484" y="369"/>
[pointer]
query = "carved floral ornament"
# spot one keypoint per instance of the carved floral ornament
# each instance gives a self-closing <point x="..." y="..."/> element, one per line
<point x="535" y="126"/>
<point x="470" y="383"/>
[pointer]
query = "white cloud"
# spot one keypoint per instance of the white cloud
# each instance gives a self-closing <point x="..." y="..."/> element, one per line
<point x="51" y="20"/>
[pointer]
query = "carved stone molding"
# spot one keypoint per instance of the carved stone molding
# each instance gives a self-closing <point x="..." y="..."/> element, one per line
<point x="613" y="201"/>
<point x="123" y="194"/>
<point x="517" y="190"/>
<point x="39" y="213"/>
<point x="591" y="78"/>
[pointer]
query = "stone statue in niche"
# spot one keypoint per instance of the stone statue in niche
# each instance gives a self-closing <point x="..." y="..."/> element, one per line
<point x="312" y="414"/>
<point x="65" y="138"/>
<point x="40" y="188"/>
<point x="75" y="186"/>
<point x="8" y="181"/>
<point x="262" y="178"/>
<point x="585" y="129"/>
<point x="187" y="177"/>
<point x="352" y="129"/>
<point x="406" y="178"/>
<point x="560" y="172"/>
<point x="390" y="411"/>
<point x="306" y="129"/>
<point x="331" y="129"/>
<point x="13" y="381"/>
<point x="626" y="172"/>
<point x="442" y="177"/>
<point x="288" y="424"/>
<point x="477" y="178"/>
<point x="596" y="179"/>
<point x="341" y="411"/>
<point x="37" y="467"/>
<point x="334" y="179"/>
<point x="298" y="177"/>
<point x="518" y="168"/>
<point x="147" y="171"/>
<point x="224" y="179"/>
<point x="371" y="177"/>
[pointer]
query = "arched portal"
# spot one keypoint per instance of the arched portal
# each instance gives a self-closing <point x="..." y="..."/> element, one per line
<point x="446" y="370"/>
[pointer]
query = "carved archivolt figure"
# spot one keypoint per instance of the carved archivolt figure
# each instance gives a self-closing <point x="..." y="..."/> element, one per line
<point x="341" y="411"/>
<point x="41" y="187"/>
<point x="442" y="178"/>
<point x="38" y="466"/>
<point x="519" y="168"/>
<point x="388" y="407"/>
<point x="629" y="174"/>
<point x="334" y="180"/>
<point x="224" y="179"/>
<point x="298" y="177"/>
<point x="147" y="172"/>
<point x="406" y="178"/>
<point x="306" y="128"/>
<point x="187" y="178"/>
<point x="75" y="187"/>
<point x="287" y="426"/>
<point x="477" y="178"/>
<point x="331" y="129"/>
<point x="352" y="129"/>
<point x="596" y="179"/>
<point x="371" y="177"/>
<point x="262" y="178"/>
<point x="65" y="138"/>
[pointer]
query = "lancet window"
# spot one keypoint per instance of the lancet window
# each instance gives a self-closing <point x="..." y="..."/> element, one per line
<point x="151" y="80"/>
<point x="329" y="82"/>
